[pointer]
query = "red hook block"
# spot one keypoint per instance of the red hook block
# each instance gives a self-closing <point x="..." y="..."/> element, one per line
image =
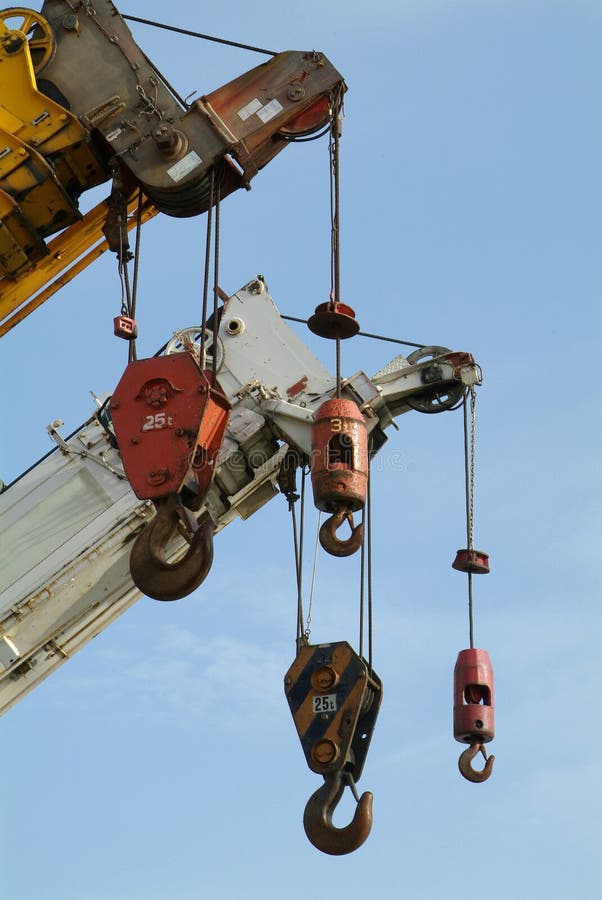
<point x="473" y="697"/>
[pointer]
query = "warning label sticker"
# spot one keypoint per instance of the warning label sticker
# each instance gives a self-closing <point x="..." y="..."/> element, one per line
<point x="249" y="109"/>
<point x="184" y="166"/>
<point x="270" y="110"/>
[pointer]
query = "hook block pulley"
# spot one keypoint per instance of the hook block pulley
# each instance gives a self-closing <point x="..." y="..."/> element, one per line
<point x="334" y="698"/>
<point x="170" y="418"/>
<point x="474" y="709"/>
<point x="339" y="470"/>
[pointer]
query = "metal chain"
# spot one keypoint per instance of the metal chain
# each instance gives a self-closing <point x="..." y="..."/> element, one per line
<point x="335" y="222"/>
<point x="469" y="471"/>
<point x="469" y="464"/>
<point x="298" y="574"/>
<point x="473" y="425"/>
<point x="313" y="582"/>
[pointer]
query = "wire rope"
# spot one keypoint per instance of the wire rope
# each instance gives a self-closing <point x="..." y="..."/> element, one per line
<point x="198" y="34"/>
<point x="208" y="239"/>
<point x="366" y="334"/>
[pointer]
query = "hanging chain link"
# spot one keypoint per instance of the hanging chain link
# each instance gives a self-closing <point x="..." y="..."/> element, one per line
<point x="469" y="463"/>
<point x="335" y="218"/>
<point x="471" y="473"/>
<point x="307" y="632"/>
<point x="469" y="469"/>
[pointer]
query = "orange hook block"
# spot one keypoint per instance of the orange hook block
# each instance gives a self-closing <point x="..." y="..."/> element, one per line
<point x="339" y="470"/>
<point x="339" y="456"/>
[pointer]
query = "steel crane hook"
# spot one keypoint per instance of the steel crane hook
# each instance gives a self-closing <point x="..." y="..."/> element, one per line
<point x="466" y="769"/>
<point x="328" y="534"/>
<point x="317" y="818"/>
<point x="153" y="574"/>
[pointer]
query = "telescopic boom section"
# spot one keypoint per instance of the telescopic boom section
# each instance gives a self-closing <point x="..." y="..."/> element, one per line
<point x="81" y="100"/>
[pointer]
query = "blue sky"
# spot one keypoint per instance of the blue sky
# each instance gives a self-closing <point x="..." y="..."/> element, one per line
<point x="162" y="761"/>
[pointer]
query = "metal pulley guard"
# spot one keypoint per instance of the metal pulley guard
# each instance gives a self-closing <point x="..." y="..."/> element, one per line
<point x="334" y="700"/>
<point x="169" y="419"/>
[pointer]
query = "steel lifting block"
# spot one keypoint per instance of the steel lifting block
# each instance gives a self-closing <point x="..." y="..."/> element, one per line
<point x="473" y="697"/>
<point x="339" y="456"/>
<point x="157" y="411"/>
<point x="334" y="699"/>
<point x="125" y="327"/>
<point x="334" y="320"/>
<point x="474" y="561"/>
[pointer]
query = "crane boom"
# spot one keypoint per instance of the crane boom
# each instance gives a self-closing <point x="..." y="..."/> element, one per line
<point x="62" y="134"/>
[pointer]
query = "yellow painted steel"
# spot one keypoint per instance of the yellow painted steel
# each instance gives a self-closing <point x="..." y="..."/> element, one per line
<point x="20" y="245"/>
<point x="24" y="111"/>
<point x="24" y="173"/>
<point x="69" y="254"/>
<point x="46" y="156"/>
<point x="40" y="35"/>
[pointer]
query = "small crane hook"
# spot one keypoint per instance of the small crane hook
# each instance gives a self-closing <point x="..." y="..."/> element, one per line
<point x="328" y="534"/>
<point x="466" y="769"/>
<point x="150" y="570"/>
<point x="317" y="818"/>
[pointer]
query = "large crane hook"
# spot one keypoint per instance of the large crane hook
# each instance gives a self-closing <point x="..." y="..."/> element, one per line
<point x="332" y="543"/>
<point x="317" y="818"/>
<point x="465" y="763"/>
<point x="150" y="570"/>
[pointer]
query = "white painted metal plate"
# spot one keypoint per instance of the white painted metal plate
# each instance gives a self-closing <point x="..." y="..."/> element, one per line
<point x="184" y="166"/>
<point x="247" y="111"/>
<point x="325" y="703"/>
<point x="270" y="110"/>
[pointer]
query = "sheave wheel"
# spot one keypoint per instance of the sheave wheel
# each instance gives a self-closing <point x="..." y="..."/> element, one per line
<point x="190" y="339"/>
<point x="36" y="29"/>
<point x="435" y="400"/>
